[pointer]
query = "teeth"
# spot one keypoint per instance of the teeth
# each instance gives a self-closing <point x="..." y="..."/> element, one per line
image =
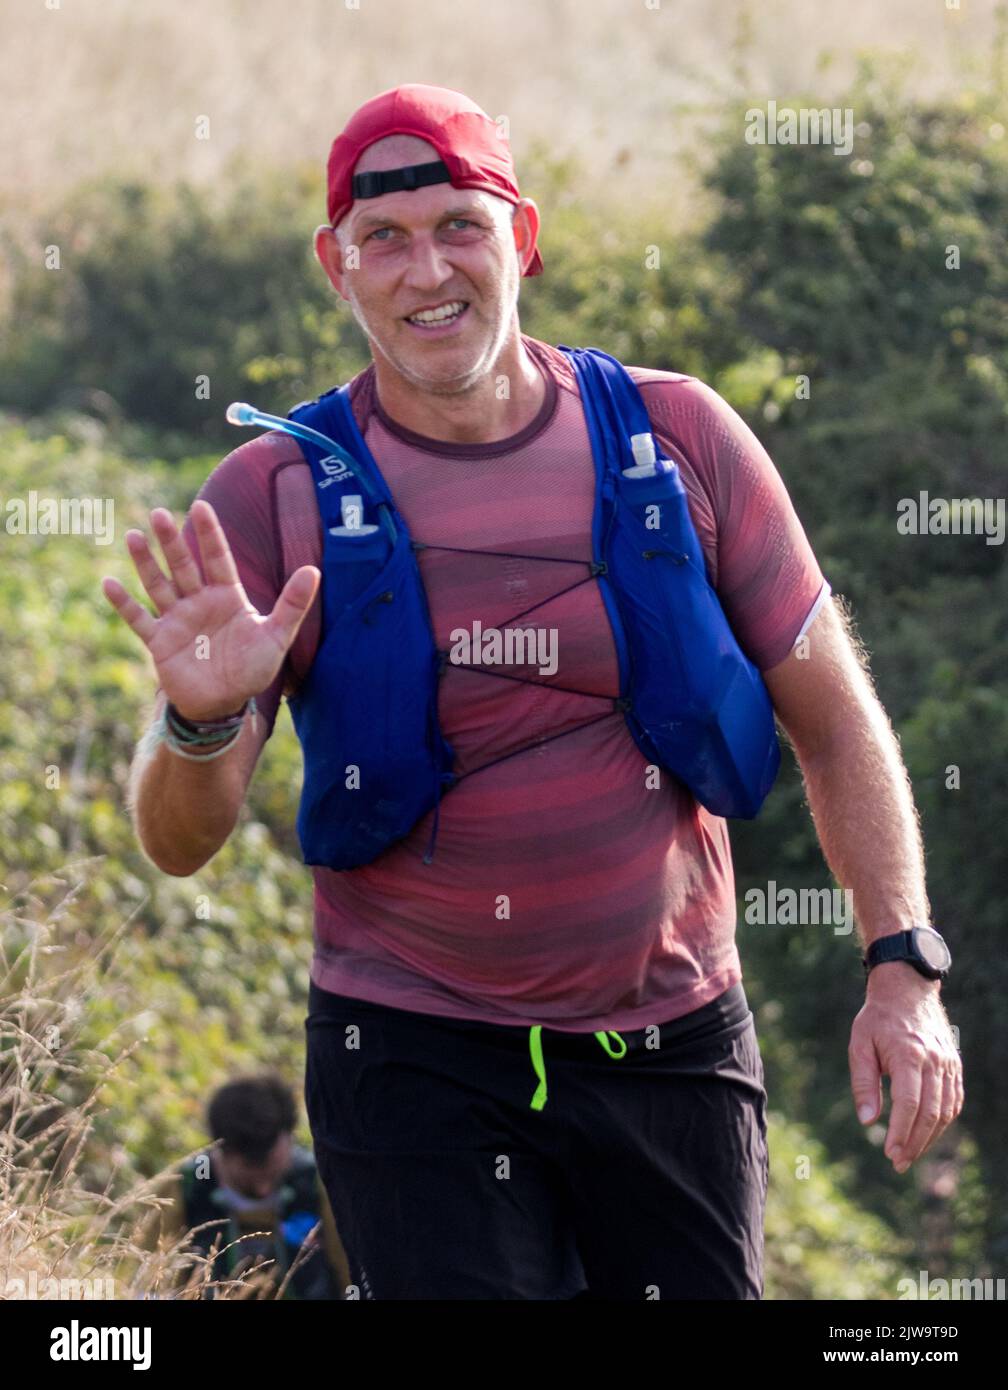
<point x="438" y="315"/>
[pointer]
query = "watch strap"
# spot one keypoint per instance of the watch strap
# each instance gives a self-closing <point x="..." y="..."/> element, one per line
<point x="898" y="946"/>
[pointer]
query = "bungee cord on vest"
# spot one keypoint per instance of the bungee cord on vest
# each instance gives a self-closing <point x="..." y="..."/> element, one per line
<point x="616" y="703"/>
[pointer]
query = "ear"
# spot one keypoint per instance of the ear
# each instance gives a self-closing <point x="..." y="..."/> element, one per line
<point x="330" y="255"/>
<point x="526" y="230"/>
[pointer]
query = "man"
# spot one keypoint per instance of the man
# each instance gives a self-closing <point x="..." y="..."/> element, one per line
<point x="567" y="895"/>
<point x="255" y="1198"/>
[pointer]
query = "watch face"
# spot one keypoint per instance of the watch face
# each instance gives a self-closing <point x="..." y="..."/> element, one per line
<point x="932" y="948"/>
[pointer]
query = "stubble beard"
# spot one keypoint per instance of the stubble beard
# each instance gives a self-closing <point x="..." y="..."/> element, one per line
<point x="454" y="385"/>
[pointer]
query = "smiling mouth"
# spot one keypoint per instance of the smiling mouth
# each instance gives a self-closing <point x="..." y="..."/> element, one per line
<point x="443" y="315"/>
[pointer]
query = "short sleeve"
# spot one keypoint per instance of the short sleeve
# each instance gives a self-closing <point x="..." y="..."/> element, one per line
<point x="760" y="559"/>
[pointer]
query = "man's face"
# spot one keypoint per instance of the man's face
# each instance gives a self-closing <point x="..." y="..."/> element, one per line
<point x="442" y="249"/>
<point x="255" y="1179"/>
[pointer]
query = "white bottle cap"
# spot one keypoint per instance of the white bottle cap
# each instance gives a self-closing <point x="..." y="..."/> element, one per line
<point x="644" y="457"/>
<point x="352" y="512"/>
<point x="643" y="449"/>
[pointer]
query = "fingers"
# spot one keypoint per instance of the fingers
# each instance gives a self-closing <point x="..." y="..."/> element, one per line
<point x="183" y="567"/>
<point x="293" y="603"/>
<point x="142" y="622"/>
<point x="905" y="1082"/>
<point x="160" y="588"/>
<point x="927" y="1119"/>
<point x="948" y="1106"/>
<point x="866" y="1080"/>
<point x="163" y="592"/>
<point x="218" y="562"/>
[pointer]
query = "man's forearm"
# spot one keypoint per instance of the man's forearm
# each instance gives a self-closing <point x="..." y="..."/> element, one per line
<point x="183" y="809"/>
<point x="862" y="804"/>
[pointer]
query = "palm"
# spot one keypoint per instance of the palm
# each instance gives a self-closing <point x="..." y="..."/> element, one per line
<point x="213" y="647"/>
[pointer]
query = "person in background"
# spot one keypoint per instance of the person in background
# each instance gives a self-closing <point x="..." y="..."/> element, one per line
<point x="256" y="1197"/>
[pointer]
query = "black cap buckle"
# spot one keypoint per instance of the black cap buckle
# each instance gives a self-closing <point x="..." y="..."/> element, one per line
<point x="409" y="177"/>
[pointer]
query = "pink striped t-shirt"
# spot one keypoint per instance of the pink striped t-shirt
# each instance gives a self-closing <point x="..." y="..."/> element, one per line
<point x="563" y="889"/>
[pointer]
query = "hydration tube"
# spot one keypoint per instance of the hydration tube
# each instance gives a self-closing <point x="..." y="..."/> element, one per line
<point x="240" y="413"/>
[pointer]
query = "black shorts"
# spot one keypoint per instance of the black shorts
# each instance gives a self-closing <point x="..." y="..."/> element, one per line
<point x="642" y="1177"/>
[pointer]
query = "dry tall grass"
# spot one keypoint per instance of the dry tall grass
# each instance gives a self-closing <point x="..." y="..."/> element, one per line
<point x="94" y="85"/>
<point x="62" y="1233"/>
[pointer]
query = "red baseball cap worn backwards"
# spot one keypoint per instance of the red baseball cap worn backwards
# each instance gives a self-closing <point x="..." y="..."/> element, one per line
<point x="474" y="154"/>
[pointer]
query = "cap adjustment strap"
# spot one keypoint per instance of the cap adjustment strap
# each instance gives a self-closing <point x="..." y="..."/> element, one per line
<point x="411" y="176"/>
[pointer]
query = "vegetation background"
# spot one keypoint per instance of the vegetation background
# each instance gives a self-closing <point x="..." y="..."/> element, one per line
<point x="127" y="995"/>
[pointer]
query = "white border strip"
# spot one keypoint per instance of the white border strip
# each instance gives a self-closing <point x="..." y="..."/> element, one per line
<point x="824" y="594"/>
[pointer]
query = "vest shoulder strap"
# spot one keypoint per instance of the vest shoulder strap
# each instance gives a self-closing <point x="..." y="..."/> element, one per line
<point x="293" y="507"/>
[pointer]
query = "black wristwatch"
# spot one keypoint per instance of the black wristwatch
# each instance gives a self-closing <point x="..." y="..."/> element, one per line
<point x="921" y="947"/>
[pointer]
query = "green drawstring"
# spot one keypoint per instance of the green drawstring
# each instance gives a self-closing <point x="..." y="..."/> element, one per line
<point x="604" y="1040"/>
<point x="539" y="1067"/>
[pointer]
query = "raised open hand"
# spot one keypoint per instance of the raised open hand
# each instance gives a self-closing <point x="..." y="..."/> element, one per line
<point x="212" y="648"/>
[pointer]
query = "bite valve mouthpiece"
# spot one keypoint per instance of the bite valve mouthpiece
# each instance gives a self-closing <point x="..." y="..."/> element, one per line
<point x="238" y="413"/>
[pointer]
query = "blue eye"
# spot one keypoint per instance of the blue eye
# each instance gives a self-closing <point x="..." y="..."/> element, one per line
<point x="454" y="223"/>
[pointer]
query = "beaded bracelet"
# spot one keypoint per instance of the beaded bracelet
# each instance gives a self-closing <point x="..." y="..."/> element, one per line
<point x="188" y="737"/>
<point x="195" y="727"/>
<point x="180" y="738"/>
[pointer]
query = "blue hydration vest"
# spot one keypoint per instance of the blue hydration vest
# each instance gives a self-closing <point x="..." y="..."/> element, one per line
<point x="375" y="759"/>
